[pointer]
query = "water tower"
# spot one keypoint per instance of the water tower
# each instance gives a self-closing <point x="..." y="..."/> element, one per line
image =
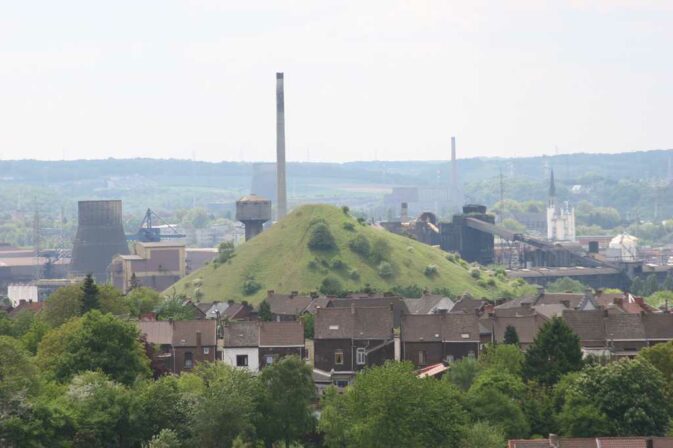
<point x="253" y="211"/>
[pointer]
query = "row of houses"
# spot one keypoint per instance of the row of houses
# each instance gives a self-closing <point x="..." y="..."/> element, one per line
<point x="359" y="331"/>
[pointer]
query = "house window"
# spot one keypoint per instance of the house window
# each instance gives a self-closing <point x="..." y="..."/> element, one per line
<point x="422" y="358"/>
<point x="449" y="359"/>
<point x="360" y="357"/>
<point x="189" y="361"/>
<point x="268" y="359"/>
<point x="206" y="350"/>
<point x="470" y="354"/>
<point x="339" y="357"/>
<point x="241" y="360"/>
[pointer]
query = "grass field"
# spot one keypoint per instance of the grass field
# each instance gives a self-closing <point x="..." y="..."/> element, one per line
<point x="280" y="259"/>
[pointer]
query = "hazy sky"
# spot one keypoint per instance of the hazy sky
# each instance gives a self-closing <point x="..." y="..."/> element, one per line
<point x="364" y="79"/>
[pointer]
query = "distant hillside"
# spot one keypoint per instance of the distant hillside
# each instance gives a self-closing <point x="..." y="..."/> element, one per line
<point x="280" y="259"/>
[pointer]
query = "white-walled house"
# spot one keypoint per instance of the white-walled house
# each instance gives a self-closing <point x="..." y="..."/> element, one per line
<point x="240" y="346"/>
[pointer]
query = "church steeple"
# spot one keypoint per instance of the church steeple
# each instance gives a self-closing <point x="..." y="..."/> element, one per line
<point x="552" y="186"/>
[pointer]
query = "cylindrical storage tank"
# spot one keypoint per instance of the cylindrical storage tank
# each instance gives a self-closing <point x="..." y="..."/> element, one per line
<point x="253" y="211"/>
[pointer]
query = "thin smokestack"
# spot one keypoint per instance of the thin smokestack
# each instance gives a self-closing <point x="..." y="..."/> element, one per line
<point x="280" y="147"/>
<point x="454" y="169"/>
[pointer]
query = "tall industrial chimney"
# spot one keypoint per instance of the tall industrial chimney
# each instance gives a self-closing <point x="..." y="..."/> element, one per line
<point x="454" y="174"/>
<point x="280" y="148"/>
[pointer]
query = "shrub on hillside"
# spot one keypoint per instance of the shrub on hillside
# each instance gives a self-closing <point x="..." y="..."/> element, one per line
<point x="475" y="273"/>
<point x="331" y="286"/>
<point x="380" y="251"/>
<point x="385" y="269"/>
<point x="354" y="274"/>
<point x="338" y="264"/>
<point x="431" y="270"/>
<point x="360" y="245"/>
<point x="321" y="237"/>
<point x="251" y="286"/>
<point x="349" y="226"/>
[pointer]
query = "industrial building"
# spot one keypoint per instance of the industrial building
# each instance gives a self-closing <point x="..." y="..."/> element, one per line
<point x="100" y="236"/>
<point x="153" y="265"/>
<point x="253" y="211"/>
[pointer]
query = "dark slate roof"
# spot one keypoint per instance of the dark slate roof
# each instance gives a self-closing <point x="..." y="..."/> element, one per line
<point x="426" y="303"/>
<point x="184" y="332"/>
<point x="241" y="334"/>
<point x="526" y="326"/>
<point x="549" y="298"/>
<point x="658" y="326"/>
<point x="281" y="334"/>
<point x="624" y="326"/>
<point x="354" y="322"/>
<point x="180" y="333"/>
<point x="34" y="307"/>
<point x="467" y="305"/>
<point x="235" y="311"/>
<point x="445" y="327"/>
<point x="525" y="310"/>
<point x="288" y="304"/>
<point x="588" y="325"/>
<point x="317" y="302"/>
<point x="367" y="301"/>
<point x="515" y="303"/>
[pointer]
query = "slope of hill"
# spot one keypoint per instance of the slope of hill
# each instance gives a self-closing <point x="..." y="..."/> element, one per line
<point x="281" y="259"/>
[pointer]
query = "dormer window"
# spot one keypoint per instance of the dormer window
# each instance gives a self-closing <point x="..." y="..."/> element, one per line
<point x="465" y="335"/>
<point x="333" y="327"/>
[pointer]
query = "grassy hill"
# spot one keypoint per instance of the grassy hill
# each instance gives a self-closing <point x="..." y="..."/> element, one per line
<point x="281" y="259"/>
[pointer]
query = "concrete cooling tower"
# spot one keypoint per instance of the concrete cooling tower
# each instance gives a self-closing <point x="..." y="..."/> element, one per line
<point x="100" y="236"/>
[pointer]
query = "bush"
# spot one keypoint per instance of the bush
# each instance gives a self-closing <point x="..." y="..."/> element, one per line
<point x="338" y="264"/>
<point x="349" y="226"/>
<point x="321" y="237"/>
<point x="345" y="209"/>
<point x="362" y="221"/>
<point x="385" y="269"/>
<point x="360" y="245"/>
<point x="491" y="282"/>
<point x="313" y="265"/>
<point x="452" y="257"/>
<point x="331" y="286"/>
<point x="380" y="251"/>
<point x="354" y="274"/>
<point x="251" y="286"/>
<point x="225" y="252"/>
<point x="431" y="270"/>
<point x="475" y="273"/>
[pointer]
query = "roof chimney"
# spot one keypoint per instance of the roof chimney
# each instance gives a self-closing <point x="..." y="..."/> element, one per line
<point x="554" y="441"/>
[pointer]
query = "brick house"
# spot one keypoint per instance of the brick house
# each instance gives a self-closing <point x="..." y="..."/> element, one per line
<point x="437" y="338"/>
<point x="348" y="339"/>
<point x="183" y="343"/>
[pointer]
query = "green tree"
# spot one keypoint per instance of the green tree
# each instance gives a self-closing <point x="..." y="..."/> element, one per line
<point x="489" y="404"/>
<point x="62" y="305"/>
<point x="637" y="286"/>
<point x="166" y="438"/>
<point x="225" y="394"/>
<point x="89" y="294"/>
<point x="463" y="372"/>
<point x="624" y="398"/>
<point x="380" y="251"/>
<point x="566" y="284"/>
<point x="650" y="286"/>
<point x="511" y="336"/>
<point x="308" y="320"/>
<point x="331" y="286"/>
<point x="142" y="300"/>
<point x="111" y="300"/>
<point x="389" y="406"/>
<point x="265" y="311"/>
<point x="482" y="435"/>
<point x="175" y="308"/>
<point x="661" y="357"/>
<point x="99" y="410"/>
<point x="95" y="342"/>
<point x="225" y="251"/>
<point x="504" y="357"/>
<point x="284" y="404"/>
<point x="360" y="245"/>
<point x="668" y="283"/>
<point x="321" y="238"/>
<point x="157" y="406"/>
<point x="31" y="338"/>
<point x="554" y="352"/>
